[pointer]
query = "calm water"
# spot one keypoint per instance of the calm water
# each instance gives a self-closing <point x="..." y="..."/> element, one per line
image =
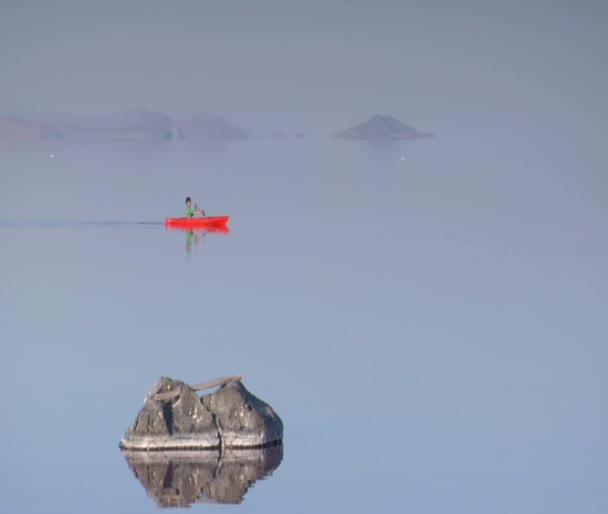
<point x="428" y="319"/>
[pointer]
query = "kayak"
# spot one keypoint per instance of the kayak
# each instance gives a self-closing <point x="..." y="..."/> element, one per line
<point x="210" y="222"/>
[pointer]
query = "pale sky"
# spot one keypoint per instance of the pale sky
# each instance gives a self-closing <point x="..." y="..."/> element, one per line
<point x="292" y="64"/>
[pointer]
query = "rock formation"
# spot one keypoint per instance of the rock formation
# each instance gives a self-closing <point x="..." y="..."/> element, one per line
<point x="174" y="417"/>
<point x="382" y="127"/>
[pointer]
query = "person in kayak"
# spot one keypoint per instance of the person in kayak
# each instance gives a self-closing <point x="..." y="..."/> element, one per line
<point x="191" y="211"/>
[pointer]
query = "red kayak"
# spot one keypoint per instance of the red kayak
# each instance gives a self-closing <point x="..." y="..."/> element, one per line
<point x="209" y="222"/>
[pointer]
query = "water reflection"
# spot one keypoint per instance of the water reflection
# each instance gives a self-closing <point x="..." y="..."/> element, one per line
<point x="181" y="478"/>
<point x="196" y="237"/>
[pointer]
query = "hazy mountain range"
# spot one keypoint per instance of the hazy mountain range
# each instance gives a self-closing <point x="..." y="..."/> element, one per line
<point x="144" y="125"/>
<point x="381" y="126"/>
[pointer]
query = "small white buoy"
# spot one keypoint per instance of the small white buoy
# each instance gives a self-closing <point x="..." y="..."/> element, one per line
<point x="51" y="156"/>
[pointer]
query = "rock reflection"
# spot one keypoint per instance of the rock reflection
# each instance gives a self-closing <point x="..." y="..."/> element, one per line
<point x="181" y="478"/>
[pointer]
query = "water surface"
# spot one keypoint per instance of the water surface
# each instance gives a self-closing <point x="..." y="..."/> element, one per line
<point x="427" y="318"/>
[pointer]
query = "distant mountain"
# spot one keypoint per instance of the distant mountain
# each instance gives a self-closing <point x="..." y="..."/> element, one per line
<point x="144" y="125"/>
<point x="210" y="126"/>
<point x="133" y="125"/>
<point x="15" y="129"/>
<point x="282" y="135"/>
<point x="382" y="127"/>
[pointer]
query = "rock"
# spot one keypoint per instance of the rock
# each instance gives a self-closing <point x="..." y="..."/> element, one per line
<point x="181" y="478"/>
<point x="174" y="417"/>
<point x="242" y="419"/>
<point x="382" y="127"/>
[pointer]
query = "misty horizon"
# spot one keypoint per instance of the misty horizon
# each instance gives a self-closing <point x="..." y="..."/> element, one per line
<point x="377" y="127"/>
<point x="317" y="67"/>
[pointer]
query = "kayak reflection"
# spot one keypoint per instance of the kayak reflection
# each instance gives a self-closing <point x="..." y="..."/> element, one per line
<point x="181" y="478"/>
<point x="196" y="236"/>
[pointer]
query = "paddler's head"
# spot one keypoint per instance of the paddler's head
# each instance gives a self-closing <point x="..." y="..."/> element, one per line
<point x="188" y="201"/>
